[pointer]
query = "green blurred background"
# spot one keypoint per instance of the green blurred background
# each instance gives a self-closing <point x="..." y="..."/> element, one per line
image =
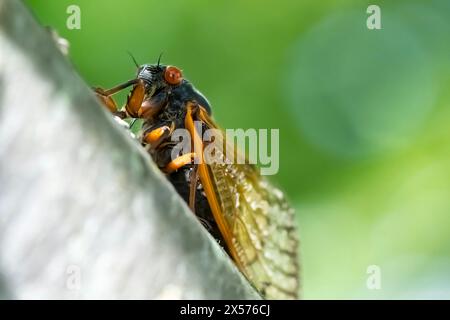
<point x="364" y="116"/>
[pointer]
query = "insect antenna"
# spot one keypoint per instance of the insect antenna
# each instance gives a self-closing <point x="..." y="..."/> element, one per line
<point x="134" y="60"/>
<point x="159" y="58"/>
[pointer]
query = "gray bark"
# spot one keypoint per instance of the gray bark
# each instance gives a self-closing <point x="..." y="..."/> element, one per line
<point x="84" y="212"/>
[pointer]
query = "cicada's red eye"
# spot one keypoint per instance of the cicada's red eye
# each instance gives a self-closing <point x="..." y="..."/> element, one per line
<point x="173" y="75"/>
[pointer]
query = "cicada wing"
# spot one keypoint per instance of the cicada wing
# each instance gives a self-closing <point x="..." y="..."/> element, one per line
<point x="262" y="228"/>
<point x="256" y="222"/>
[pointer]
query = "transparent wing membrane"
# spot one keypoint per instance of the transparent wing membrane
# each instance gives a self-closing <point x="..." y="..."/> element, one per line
<point x="256" y="221"/>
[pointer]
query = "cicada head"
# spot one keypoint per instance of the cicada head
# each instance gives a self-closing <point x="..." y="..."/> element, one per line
<point x="164" y="83"/>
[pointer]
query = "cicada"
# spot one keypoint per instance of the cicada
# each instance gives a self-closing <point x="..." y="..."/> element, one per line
<point x="249" y="217"/>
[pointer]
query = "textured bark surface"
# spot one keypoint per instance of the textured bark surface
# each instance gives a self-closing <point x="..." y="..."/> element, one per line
<point x="84" y="213"/>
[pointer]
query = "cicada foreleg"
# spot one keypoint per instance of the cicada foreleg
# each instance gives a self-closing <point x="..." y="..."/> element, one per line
<point x="106" y="100"/>
<point x="105" y="96"/>
<point x="135" y="100"/>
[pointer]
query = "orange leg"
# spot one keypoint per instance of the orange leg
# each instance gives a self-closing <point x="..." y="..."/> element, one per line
<point x="134" y="100"/>
<point x="179" y="162"/>
<point x="158" y="135"/>
<point x="107" y="101"/>
<point x="193" y="187"/>
<point x="136" y="106"/>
